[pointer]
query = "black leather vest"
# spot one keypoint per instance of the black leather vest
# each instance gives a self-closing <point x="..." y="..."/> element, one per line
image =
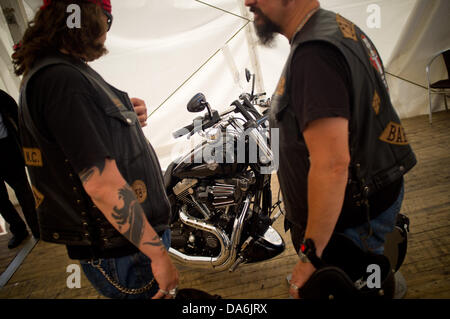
<point x="380" y="152"/>
<point x="66" y="213"/>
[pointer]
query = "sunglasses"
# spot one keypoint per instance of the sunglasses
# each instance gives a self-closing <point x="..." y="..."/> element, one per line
<point x="110" y="19"/>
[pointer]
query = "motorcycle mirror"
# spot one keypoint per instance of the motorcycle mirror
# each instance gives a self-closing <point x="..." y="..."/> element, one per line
<point x="248" y="75"/>
<point x="197" y="103"/>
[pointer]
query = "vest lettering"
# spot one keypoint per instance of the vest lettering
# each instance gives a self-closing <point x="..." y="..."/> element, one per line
<point x="33" y="157"/>
<point x="394" y="134"/>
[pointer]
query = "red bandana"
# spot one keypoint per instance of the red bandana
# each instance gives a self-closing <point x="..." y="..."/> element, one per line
<point x="106" y="4"/>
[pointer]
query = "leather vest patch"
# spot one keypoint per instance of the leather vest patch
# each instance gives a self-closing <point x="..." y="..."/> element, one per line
<point x="394" y="133"/>
<point x="347" y="28"/>
<point x="140" y="190"/>
<point x="38" y="197"/>
<point x="33" y="157"/>
<point x="375" y="60"/>
<point x="376" y="103"/>
<point x="281" y="87"/>
<point x="117" y="102"/>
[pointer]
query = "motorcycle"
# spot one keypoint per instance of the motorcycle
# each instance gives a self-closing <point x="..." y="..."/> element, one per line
<point x="222" y="212"/>
<point x="220" y="191"/>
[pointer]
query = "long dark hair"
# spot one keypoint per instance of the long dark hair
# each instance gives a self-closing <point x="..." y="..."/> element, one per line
<point x="48" y="32"/>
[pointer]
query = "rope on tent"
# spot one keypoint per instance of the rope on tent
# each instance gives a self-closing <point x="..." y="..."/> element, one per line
<point x="195" y="72"/>
<point x="406" y="80"/>
<point x="229" y="12"/>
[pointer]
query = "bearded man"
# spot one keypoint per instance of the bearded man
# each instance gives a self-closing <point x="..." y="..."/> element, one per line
<point x="344" y="149"/>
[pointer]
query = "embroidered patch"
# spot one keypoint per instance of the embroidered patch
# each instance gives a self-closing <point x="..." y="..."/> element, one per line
<point x="347" y="27"/>
<point x="38" y="197"/>
<point x="33" y="157"/>
<point x="376" y="103"/>
<point x="140" y="190"/>
<point x="394" y="133"/>
<point x="375" y="59"/>
<point x="281" y="86"/>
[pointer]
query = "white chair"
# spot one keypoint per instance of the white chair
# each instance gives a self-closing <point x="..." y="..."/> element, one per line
<point x="442" y="86"/>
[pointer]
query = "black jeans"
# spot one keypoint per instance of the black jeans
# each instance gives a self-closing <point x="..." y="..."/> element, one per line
<point x="12" y="171"/>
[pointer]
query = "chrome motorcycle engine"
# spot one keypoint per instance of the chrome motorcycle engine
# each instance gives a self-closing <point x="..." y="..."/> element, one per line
<point x="212" y="201"/>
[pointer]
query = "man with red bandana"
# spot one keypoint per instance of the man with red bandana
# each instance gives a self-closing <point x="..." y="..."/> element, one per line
<point x="96" y="179"/>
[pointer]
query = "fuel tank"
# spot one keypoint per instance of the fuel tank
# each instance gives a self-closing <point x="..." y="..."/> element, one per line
<point x="218" y="158"/>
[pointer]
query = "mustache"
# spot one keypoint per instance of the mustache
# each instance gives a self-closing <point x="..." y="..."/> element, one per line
<point x="256" y="10"/>
<point x="265" y="29"/>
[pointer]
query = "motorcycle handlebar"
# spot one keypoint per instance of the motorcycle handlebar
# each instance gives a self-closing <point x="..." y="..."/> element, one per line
<point x="243" y="110"/>
<point x="249" y="105"/>
<point x="208" y="122"/>
<point x="183" y="131"/>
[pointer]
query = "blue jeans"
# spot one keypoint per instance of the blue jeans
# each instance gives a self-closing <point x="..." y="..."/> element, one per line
<point x="132" y="271"/>
<point x="382" y="225"/>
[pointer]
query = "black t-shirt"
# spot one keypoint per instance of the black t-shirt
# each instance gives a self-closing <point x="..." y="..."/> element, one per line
<point x="321" y="87"/>
<point x="65" y="111"/>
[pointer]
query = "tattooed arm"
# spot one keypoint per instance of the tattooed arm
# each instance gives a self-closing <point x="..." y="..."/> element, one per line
<point x="117" y="201"/>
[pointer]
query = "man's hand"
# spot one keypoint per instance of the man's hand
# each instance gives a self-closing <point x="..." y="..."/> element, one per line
<point x="301" y="273"/>
<point x="141" y="110"/>
<point x="166" y="275"/>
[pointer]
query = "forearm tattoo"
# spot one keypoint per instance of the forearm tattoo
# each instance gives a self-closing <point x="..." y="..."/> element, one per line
<point x="86" y="174"/>
<point x="155" y="243"/>
<point x="133" y="216"/>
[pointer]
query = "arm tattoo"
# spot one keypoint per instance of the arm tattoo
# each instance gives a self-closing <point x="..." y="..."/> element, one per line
<point x="86" y="174"/>
<point x="156" y="242"/>
<point x="130" y="214"/>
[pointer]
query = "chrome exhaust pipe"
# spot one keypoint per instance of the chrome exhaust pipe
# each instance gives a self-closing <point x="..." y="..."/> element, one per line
<point x="228" y="249"/>
<point x="198" y="261"/>
<point x="236" y="234"/>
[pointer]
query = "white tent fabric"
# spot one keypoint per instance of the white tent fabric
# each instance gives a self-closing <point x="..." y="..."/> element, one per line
<point x="166" y="51"/>
<point x="426" y="32"/>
